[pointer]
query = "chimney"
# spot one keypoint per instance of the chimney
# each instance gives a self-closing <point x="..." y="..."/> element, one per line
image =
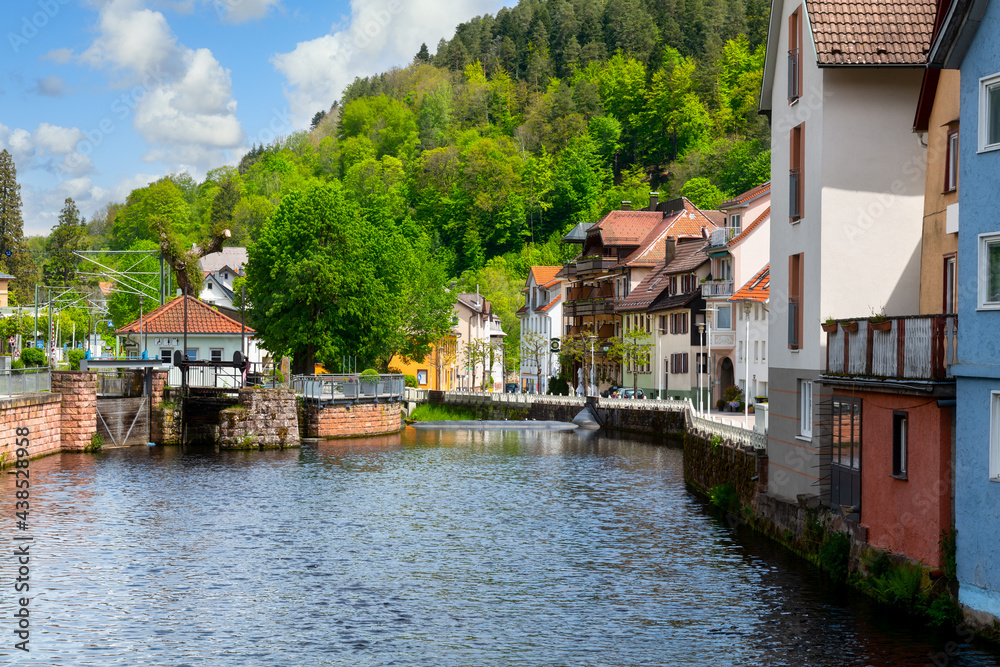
<point x="626" y="206"/>
<point x="654" y="199"/>
<point x="671" y="249"/>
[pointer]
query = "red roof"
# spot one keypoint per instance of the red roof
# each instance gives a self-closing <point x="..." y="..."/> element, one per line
<point x="201" y="319"/>
<point x="542" y="309"/>
<point x="545" y="275"/>
<point x="757" y="289"/>
<point x="752" y="193"/>
<point x="626" y="227"/>
<point x="880" y="32"/>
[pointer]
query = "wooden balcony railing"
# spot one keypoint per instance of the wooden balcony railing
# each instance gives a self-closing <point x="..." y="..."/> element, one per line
<point x="910" y="348"/>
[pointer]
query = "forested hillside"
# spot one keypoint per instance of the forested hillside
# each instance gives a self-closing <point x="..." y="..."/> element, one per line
<point x="481" y="154"/>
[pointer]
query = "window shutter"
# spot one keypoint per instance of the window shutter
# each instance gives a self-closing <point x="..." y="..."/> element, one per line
<point x="685" y="370"/>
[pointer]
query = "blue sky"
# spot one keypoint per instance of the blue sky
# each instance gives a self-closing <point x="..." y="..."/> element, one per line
<point x="98" y="97"/>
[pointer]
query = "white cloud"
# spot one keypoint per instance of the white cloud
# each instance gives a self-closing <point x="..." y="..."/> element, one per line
<point x="50" y="86"/>
<point x="381" y="33"/>
<point x="241" y="11"/>
<point x="57" y="140"/>
<point x="60" y="56"/>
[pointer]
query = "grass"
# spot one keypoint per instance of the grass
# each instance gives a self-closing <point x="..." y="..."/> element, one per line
<point x="440" y="413"/>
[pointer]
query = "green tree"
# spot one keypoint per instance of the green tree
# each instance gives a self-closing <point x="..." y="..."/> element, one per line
<point x="632" y="350"/>
<point x="66" y="238"/>
<point x="324" y="283"/>
<point x="18" y="263"/>
<point x="123" y="305"/>
<point x="703" y="193"/>
<point x="161" y="203"/>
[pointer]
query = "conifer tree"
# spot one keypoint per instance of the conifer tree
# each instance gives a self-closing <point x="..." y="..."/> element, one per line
<point x="66" y="237"/>
<point x="13" y="256"/>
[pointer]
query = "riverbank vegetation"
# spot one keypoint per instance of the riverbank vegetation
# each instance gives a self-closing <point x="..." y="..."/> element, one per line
<point x="427" y="412"/>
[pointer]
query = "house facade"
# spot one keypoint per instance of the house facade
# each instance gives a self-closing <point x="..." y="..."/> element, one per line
<point x="737" y="251"/>
<point x="5" y="279"/>
<point x="751" y="304"/>
<point x="966" y="41"/>
<point x="847" y="179"/>
<point x="541" y="323"/>
<point x="477" y="327"/>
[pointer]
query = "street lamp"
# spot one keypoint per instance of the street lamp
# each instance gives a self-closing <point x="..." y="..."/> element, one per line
<point x="746" y="359"/>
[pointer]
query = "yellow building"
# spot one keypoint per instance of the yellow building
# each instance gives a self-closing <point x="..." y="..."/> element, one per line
<point x="439" y="369"/>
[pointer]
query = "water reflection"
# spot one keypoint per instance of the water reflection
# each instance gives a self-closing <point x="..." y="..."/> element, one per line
<point x="423" y="548"/>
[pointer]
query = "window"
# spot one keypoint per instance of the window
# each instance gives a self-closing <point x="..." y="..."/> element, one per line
<point x="209" y="287"/>
<point x="216" y="354"/>
<point x="741" y="350"/>
<point x="899" y="439"/>
<point x="989" y="271"/>
<point x="763" y="350"/>
<point x="795" y="302"/>
<point x="951" y="161"/>
<point x="679" y="363"/>
<point x="796" y="160"/>
<point x="167" y="355"/>
<point x="734" y="222"/>
<point x="702" y="362"/>
<point x="805" y="408"/>
<point x="192" y="355"/>
<point x="995" y="436"/>
<point x="756" y="357"/>
<point x="950" y="285"/>
<point x="795" y="55"/>
<point x="663" y="324"/>
<point x="673" y="284"/>
<point x="846" y="431"/>
<point x="724" y="318"/>
<point x="989" y="113"/>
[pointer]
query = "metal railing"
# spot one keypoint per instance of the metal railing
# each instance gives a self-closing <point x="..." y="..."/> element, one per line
<point x="26" y="381"/>
<point x="909" y="348"/>
<point x="717" y="288"/>
<point x="350" y="388"/>
<point x="207" y="376"/>
<point x="117" y="382"/>
<point x="703" y="425"/>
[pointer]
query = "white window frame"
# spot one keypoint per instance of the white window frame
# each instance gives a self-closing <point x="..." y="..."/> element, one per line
<point x="221" y="351"/>
<point x="986" y="240"/>
<point x="995" y="436"/>
<point x="805" y="409"/>
<point x="985" y="84"/>
<point x="718" y="316"/>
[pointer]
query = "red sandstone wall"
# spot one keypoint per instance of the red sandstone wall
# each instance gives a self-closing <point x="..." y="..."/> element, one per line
<point x="78" y="390"/>
<point x="41" y="414"/>
<point x="342" y="421"/>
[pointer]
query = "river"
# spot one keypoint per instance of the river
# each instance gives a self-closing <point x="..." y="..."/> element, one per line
<point x="425" y="548"/>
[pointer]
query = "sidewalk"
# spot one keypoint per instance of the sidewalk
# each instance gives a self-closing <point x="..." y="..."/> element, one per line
<point x="734" y="418"/>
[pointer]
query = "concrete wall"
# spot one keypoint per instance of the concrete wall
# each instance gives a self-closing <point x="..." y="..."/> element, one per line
<point x="793" y="459"/>
<point x="349" y="421"/>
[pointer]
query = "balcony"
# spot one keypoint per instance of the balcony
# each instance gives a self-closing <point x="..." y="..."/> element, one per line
<point x="722" y="339"/>
<point x="593" y="264"/>
<point x="717" y="288"/>
<point x="721" y="237"/>
<point x="910" y="348"/>
<point x="595" y="307"/>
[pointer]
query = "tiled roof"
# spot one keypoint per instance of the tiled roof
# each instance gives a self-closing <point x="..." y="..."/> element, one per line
<point x="871" y="33"/>
<point x="522" y="310"/>
<point x="626" y="227"/>
<point x="201" y="318"/>
<point x="688" y="257"/>
<point x="542" y="309"/>
<point x="474" y="302"/>
<point x="752" y="226"/>
<point x="750" y="194"/>
<point x="756" y="289"/>
<point x="671" y="301"/>
<point x="545" y="275"/>
<point x="234" y="257"/>
<point x="6" y="276"/>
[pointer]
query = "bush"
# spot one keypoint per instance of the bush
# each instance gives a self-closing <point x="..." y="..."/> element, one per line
<point x="410" y="380"/>
<point x="558" y="386"/>
<point x="719" y="404"/>
<point x="368" y="372"/>
<point x="834" y="555"/>
<point x="732" y="393"/>
<point x="724" y="497"/>
<point x="17" y="364"/>
<point x="96" y="442"/>
<point x="32" y="356"/>
<point x="74" y="357"/>
<point x="947" y="545"/>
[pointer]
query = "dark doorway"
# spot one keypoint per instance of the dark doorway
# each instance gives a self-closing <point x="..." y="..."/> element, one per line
<point x="845" y="456"/>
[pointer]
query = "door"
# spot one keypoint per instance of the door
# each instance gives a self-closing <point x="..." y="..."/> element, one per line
<point x="845" y="458"/>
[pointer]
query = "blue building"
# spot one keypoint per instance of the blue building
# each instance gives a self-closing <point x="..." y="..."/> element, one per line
<point x="967" y="41"/>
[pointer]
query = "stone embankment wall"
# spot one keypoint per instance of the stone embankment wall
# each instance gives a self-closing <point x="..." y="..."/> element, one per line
<point x="350" y="421"/>
<point x="264" y="419"/>
<point x="41" y="414"/>
<point x="78" y="392"/>
<point x="165" y="428"/>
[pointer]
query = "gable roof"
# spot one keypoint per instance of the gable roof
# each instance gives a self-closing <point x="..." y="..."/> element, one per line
<point x="688" y="257"/>
<point x="201" y="319"/>
<point x="545" y="307"/>
<point x="233" y="257"/>
<point x="956" y="26"/>
<point x="545" y="275"/>
<point x="878" y="32"/>
<point x="756" y="289"/>
<point x="626" y="227"/>
<point x="748" y="196"/>
<point x="687" y="223"/>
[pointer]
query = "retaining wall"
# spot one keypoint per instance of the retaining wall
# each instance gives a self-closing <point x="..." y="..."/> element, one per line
<point x="41" y="414"/>
<point x="348" y="421"/>
<point x="264" y="419"/>
<point x="78" y="392"/>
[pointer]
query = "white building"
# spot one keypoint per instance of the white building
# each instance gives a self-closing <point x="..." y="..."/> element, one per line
<point x="738" y="250"/>
<point x="541" y="322"/>
<point x="751" y="304"/>
<point x="478" y="325"/>
<point x="220" y="269"/>
<point x="847" y="174"/>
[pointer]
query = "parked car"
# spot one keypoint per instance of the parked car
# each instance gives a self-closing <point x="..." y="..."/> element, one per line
<point x="631" y="393"/>
<point x="612" y="392"/>
<point x="512" y="388"/>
